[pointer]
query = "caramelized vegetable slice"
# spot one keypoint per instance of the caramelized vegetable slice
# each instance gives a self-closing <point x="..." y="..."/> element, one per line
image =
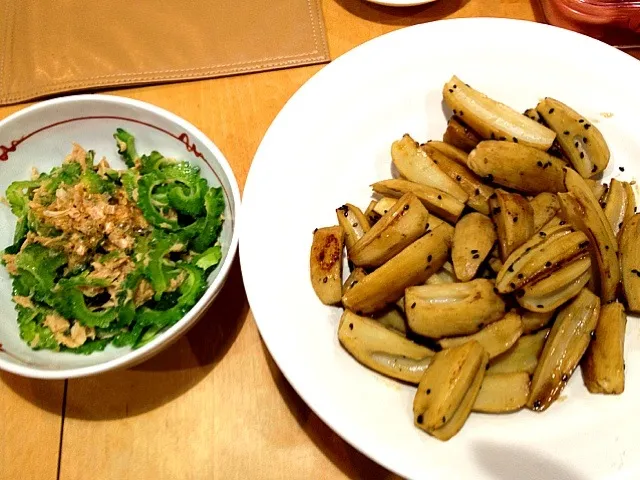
<point x="615" y="205"/>
<point x="382" y="350"/>
<point x="630" y="262"/>
<point x="398" y="228"/>
<point x="581" y="142"/>
<point x="415" y="165"/>
<point x="545" y="206"/>
<point x="632" y="206"/>
<point x="567" y="342"/>
<point x="392" y="318"/>
<point x="438" y="311"/>
<point x="492" y="119"/>
<point x="460" y="135"/>
<point x="354" y="277"/>
<point x="583" y="217"/>
<point x="549" y="293"/>
<point x="522" y="357"/>
<point x="326" y="264"/>
<point x="451" y="377"/>
<point x="479" y="193"/>
<point x="434" y="200"/>
<point x="412" y="266"/>
<point x="473" y="239"/>
<point x="603" y="364"/>
<point x="517" y="166"/>
<point x="354" y="223"/>
<point x="503" y="393"/>
<point x="447" y="150"/>
<point x="598" y="189"/>
<point x="383" y="205"/>
<point x="513" y="217"/>
<point x="496" y="338"/>
<point x="534" y="321"/>
<point x="553" y="247"/>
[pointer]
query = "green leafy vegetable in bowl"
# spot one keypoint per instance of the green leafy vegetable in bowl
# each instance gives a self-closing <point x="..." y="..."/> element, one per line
<point x="106" y="256"/>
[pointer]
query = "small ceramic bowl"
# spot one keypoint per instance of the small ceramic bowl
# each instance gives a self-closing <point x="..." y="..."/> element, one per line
<point x="41" y="136"/>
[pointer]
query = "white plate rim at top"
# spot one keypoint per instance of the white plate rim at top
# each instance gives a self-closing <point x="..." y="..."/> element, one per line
<point x="329" y="142"/>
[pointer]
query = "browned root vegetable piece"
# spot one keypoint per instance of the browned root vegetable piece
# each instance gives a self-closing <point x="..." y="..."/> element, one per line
<point x="392" y="318"/>
<point x="371" y="214"/>
<point x="460" y="135"/>
<point x="436" y="201"/>
<point x="415" y="165"/>
<point x="513" y="217"/>
<point x="581" y="142"/>
<point x="398" y="228"/>
<point x="438" y="311"/>
<point x="534" y="321"/>
<point x="495" y="338"/>
<point x="549" y="293"/>
<point x="326" y="264"/>
<point x="382" y="350"/>
<point x="479" y="193"/>
<point x="603" y="364"/>
<point x="632" y="206"/>
<point x="522" y="357"/>
<point x="354" y="223"/>
<point x="502" y="393"/>
<point x="578" y="186"/>
<point x="448" y="389"/>
<point x="598" y="189"/>
<point x="449" y="151"/>
<point x="383" y="205"/>
<point x="544" y="253"/>
<point x="354" y="277"/>
<point x="584" y="218"/>
<point x="517" y="166"/>
<point x="412" y="266"/>
<point x="545" y="206"/>
<point x="473" y="239"/>
<point x="492" y="119"/>
<point x="567" y="342"/>
<point x="630" y="262"/>
<point x="615" y="205"/>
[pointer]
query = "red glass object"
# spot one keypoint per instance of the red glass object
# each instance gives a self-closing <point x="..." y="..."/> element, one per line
<point x="616" y="22"/>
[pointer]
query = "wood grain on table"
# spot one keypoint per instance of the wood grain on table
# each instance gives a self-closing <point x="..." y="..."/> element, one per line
<point x="213" y="405"/>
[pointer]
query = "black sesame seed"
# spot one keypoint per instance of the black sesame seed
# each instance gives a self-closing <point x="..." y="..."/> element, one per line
<point x="594" y="168"/>
<point x="451" y="90"/>
<point x="586" y="126"/>
<point x="510" y="269"/>
<point x="565" y="377"/>
<point x="419" y="419"/>
<point x="444" y="419"/>
<point x="581" y="154"/>
<point x="621" y="169"/>
<point x="406" y="207"/>
<point x="354" y="225"/>
<point x="603" y="204"/>
<point x="439" y="197"/>
<point x="537" y="404"/>
<point x="581" y="121"/>
<point x="515" y="219"/>
<point x="562" y="222"/>
<point x="474" y="251"/>
<point x="429" y="258"/>
<point x="566" y="132"/>
<point x="585" y="140"/>
<point x="606" y="247"/>
<point x="620" y="225"/>
<point x="351" y="326"/>
<point x="458" y="178"/>
<point x="542" y="234"/>
<point x="577" y="144"/>
<point x="324" y="280"/>
<point x="512" y="285"/>
<point x="476" y="255"/>
<point x="477" y="191"/>
<point x="540" y="306"/>
<point x="520" y="275"/>
<point x="548" y="264"/>
<point x="539" y="163"/>
<point x="413" y="305"/>
<point x="455" y="86"/>
<point x="551" y="110"/>
<point x="428" y="391"/>
<point x="515" y="140"/>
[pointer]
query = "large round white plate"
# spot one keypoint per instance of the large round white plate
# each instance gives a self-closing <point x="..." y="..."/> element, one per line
<point x="330" y="142"/>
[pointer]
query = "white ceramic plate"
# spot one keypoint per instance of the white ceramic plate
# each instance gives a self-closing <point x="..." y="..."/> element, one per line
<point x="41" y="136"/>
<point x="401" y="3"/>
<point x="330" y="142"/>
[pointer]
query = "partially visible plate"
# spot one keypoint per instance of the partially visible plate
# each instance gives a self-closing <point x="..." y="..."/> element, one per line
<point x="401" y="3"/>
<point x="331" y="141"/>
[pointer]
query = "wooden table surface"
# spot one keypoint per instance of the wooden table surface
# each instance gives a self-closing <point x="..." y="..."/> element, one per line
<point x="214" y="405"/>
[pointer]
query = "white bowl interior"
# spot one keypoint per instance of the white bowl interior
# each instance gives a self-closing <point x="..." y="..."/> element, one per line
<point x="41" y="137"/>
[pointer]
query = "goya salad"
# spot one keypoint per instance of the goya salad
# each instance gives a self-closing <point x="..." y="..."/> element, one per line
<point x="106" y="256"/>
